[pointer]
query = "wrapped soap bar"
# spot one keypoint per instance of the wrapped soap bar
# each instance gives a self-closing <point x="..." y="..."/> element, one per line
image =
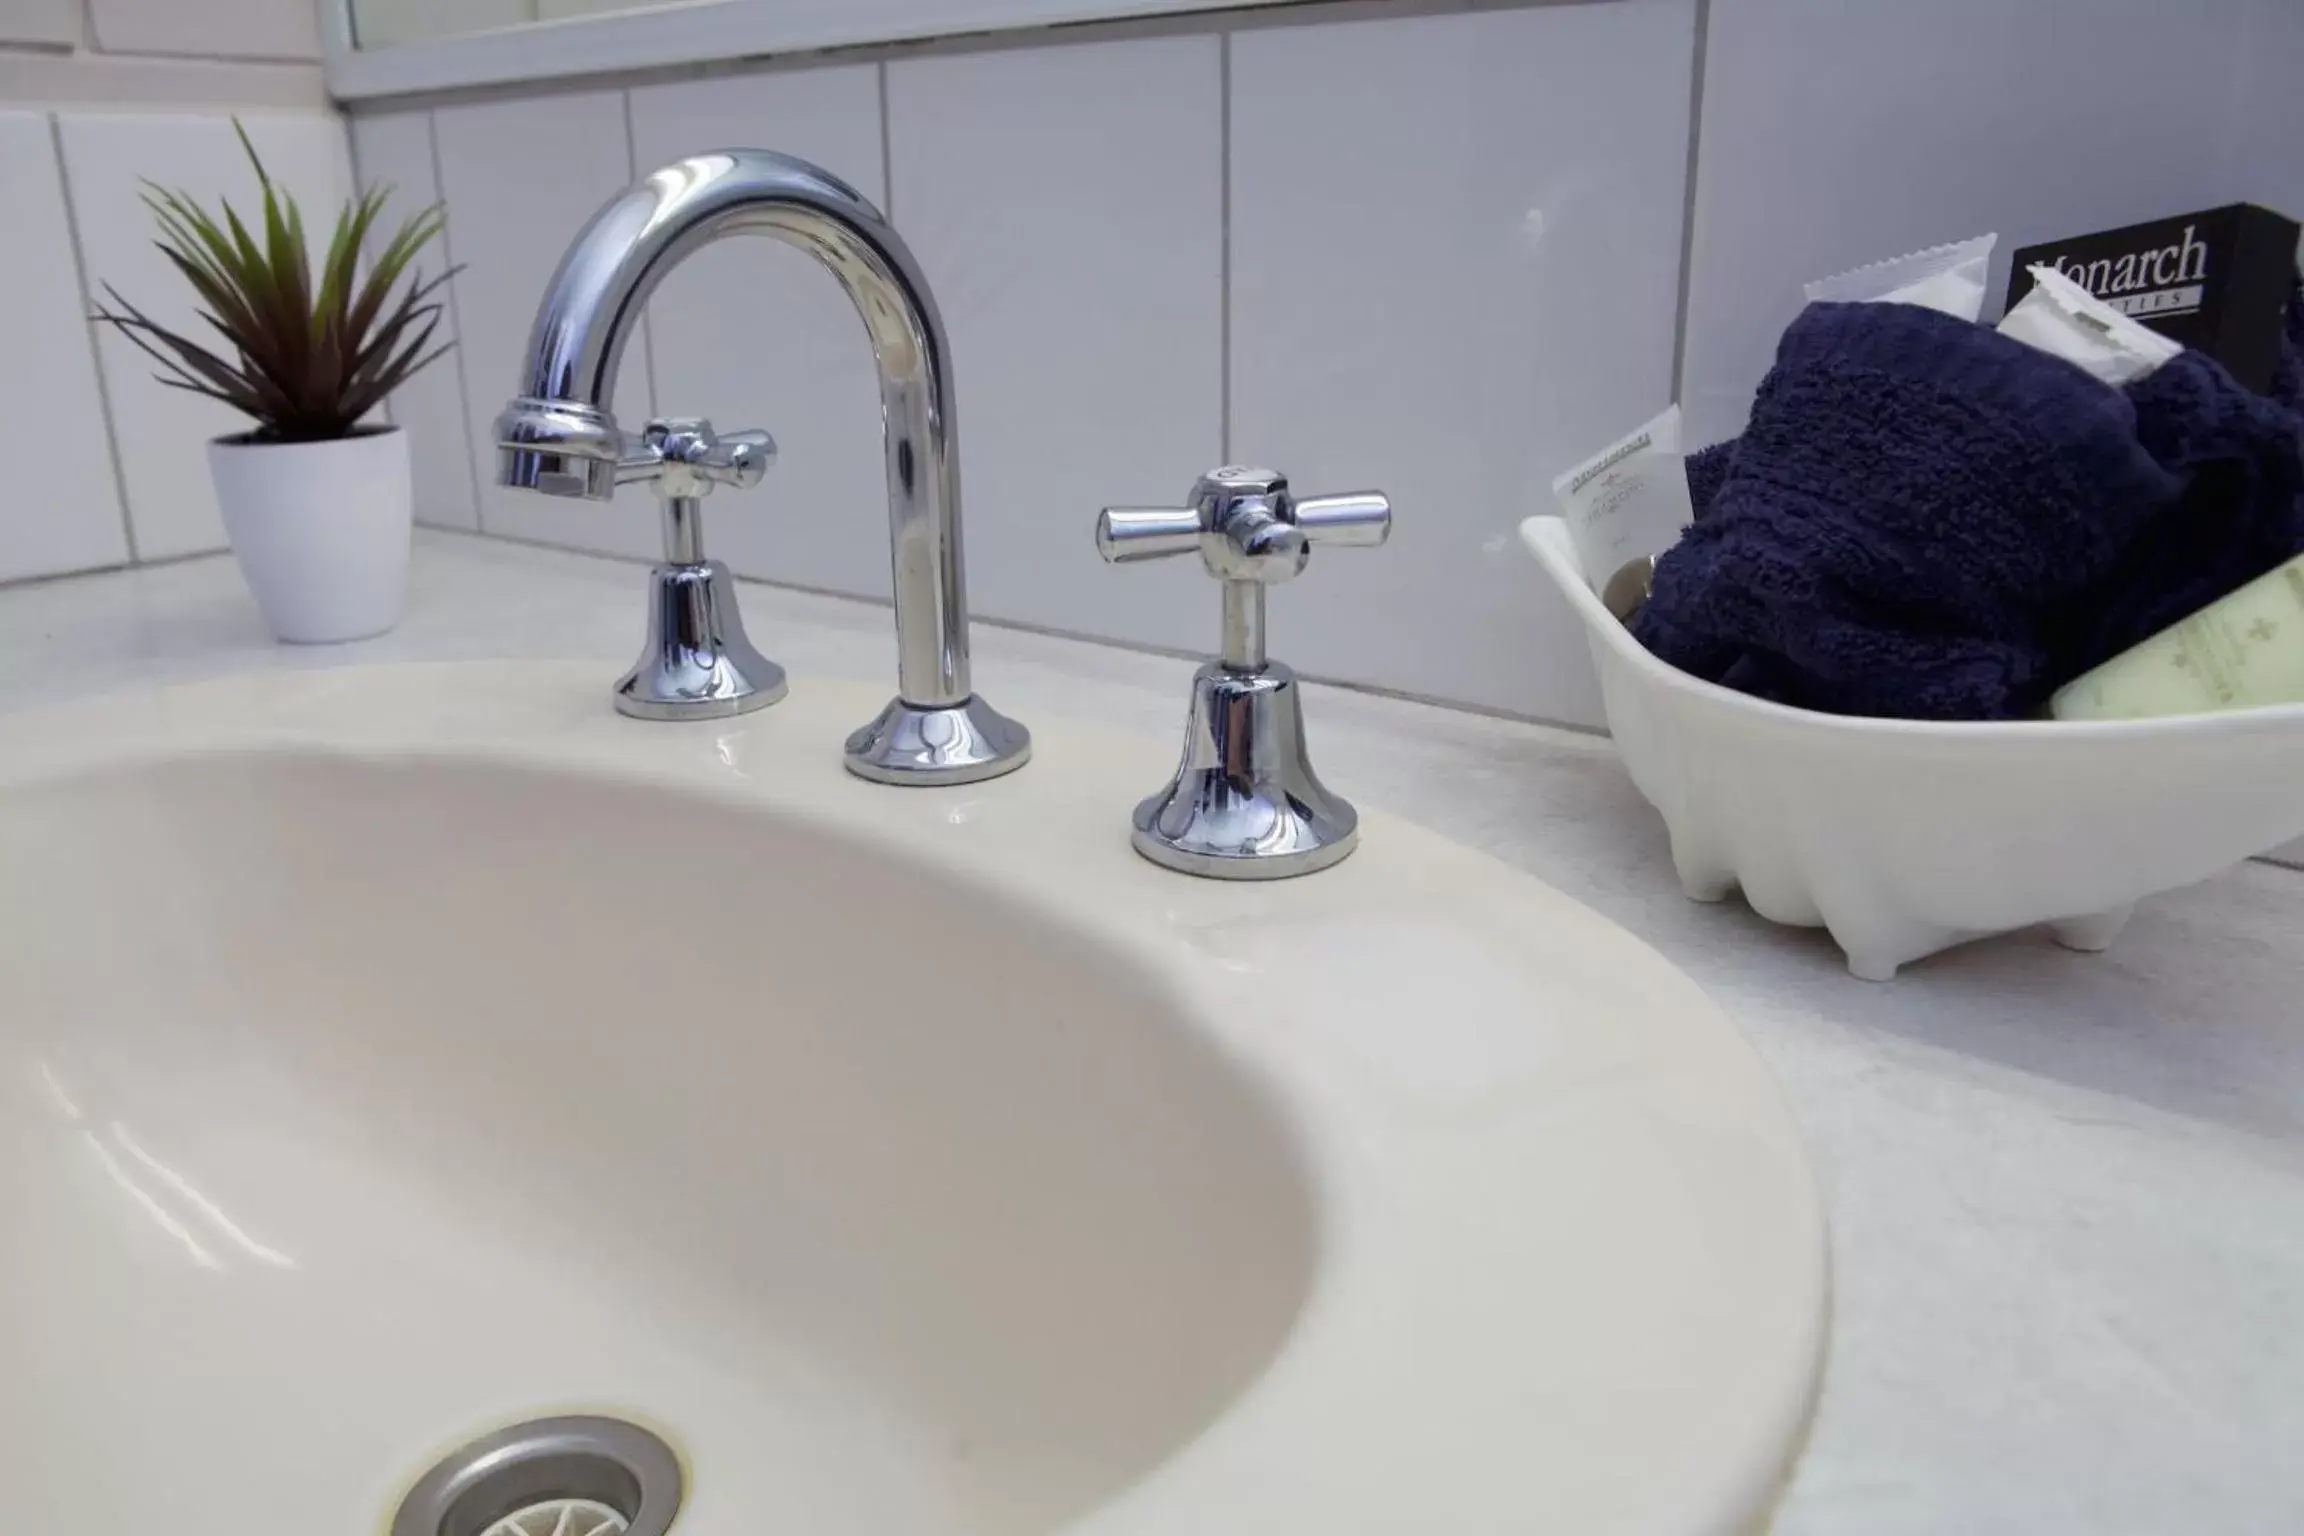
<point x="2065" y="320"/>
<point x="1946" y="278"/>
<point x="2245" y="649"/>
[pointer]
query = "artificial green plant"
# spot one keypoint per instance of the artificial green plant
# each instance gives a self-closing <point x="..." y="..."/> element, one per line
<point x="307" y="360"/>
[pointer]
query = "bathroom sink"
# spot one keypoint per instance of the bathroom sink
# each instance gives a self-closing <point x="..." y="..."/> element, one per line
<point x="391" y="1054"/>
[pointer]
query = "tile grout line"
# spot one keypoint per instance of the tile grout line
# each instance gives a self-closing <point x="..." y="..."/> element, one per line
<point x="95" y="351"/>
<point x="1696" y="56"/>
<point x="139" y="567"/>
<point x="647" y="330"/>
<point x="1224" y="253"/>
<point x="455" y="318"/>
<point x="887" y="148"/>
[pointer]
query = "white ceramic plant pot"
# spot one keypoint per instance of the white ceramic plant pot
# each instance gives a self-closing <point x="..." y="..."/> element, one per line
<point x="320" y="529"/>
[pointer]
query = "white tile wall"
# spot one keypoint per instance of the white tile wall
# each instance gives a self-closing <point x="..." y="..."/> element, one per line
<point x="146" y="82"/>
<point x="162" y="433"/>
<point x="1067" y="205"/>
<point x="513" y="213"/>
<point x="2268" y="120"/>
<point x="1441" y="256"/>
<point x="379" y="23"/>
<point x="255" y="29"/>
<point x="48" y="383"/>
<point x="55" y="23"/>
<point x="1455" y="257"/>
<point x="1836" y="137"/>
<point x="753" y="333"/>
<point x="396" y="149"/>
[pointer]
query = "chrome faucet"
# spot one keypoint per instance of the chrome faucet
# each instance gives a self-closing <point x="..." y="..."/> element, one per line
<point x="1244" y="803"/>
<point x="560" y="437"/>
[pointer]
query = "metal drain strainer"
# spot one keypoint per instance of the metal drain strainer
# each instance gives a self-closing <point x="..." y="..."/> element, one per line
<point x="575" y="1476"/>
<point x="561" y="1517"/>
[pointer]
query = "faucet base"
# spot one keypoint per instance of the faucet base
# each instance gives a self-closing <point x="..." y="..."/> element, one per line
<point x="930" y="744"/>
<point x="696" y="662"/>
<point x="1245" y="803"/>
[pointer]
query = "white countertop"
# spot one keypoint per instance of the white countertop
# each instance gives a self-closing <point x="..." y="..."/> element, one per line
<point x="2066" y="1191"/>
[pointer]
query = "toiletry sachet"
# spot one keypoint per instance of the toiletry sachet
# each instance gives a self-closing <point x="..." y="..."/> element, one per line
<point x="2065" y="320"/>
<point x="1627" y="502"/>
<point x="2213" y="280"/>
<point x="1946" y="278"/>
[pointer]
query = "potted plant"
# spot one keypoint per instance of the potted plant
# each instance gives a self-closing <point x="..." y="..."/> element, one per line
<point x="315" y="496"/>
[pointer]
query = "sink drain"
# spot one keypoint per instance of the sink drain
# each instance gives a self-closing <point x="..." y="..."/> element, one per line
<point x="578" y="1476"/>
<point x="561" y="1517"/>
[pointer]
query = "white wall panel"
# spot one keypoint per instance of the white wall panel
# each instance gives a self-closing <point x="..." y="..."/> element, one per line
<point x="245" y="29"/>
<point x="1067" y="204"/>
<point x="63" y="512"/>
<point x="1455" y="266"/>
<point x="395" y="149"/>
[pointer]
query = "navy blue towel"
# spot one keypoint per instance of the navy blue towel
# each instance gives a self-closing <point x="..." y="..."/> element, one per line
<point x="2241" y="514"/>
<point x="1930" y="520"/>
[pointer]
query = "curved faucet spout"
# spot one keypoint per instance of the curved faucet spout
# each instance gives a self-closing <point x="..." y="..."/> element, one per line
<point x="561" y="436"/>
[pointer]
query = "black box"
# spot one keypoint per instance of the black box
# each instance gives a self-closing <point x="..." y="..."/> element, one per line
<point x="2215" y="281"/>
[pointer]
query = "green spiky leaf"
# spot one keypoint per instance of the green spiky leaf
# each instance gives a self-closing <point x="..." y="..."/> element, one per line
<point x="311" y="343"/>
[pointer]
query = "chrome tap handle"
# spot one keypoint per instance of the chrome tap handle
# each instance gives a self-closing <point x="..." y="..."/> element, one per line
<point x="1245" y="804"/>
<point x="1354" y="520"/>
<point x="1251" y="533"/>
<point x="697" y="661"/>
<point x="685" y="457"/>
<point x="1125" y="535"/>
<point x="741" y="458"/>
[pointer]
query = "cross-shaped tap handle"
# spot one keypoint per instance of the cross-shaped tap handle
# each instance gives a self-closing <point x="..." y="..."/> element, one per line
<point x="1251" y="533"/>
<point x="683" y="458"/>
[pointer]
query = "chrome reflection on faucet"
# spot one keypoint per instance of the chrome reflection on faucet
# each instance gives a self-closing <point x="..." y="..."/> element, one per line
<point x="560" y="437"/>
<point x="1245" y="804"/>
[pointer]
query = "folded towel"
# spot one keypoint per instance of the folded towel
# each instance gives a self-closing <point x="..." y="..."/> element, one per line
<point x="1927" y="519"/>
<point x="2241" y="461"/>
<point x="2288" y="367"/>
<point x="1912" y="492"/>
<point x="1707" y="470"/>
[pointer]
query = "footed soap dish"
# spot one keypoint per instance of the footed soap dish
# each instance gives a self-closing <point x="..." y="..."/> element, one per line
<point x="1904" y="837"/>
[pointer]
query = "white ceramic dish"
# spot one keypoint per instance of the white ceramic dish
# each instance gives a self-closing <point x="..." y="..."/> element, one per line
<point x="393" y="1053"/>
<point x="1904" y="837"/>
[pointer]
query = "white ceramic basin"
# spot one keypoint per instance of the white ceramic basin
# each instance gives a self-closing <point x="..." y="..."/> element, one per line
<point x="389" y="1054"/>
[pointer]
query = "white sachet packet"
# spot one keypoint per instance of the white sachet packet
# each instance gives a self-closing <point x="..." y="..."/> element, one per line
<point x="1627" y="502"/>
<point x="2064" y="319"/>
<point x="1948" y="278"/>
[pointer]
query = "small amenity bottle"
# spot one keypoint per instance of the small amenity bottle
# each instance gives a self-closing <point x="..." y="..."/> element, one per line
<point x="2243" y="650"/>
